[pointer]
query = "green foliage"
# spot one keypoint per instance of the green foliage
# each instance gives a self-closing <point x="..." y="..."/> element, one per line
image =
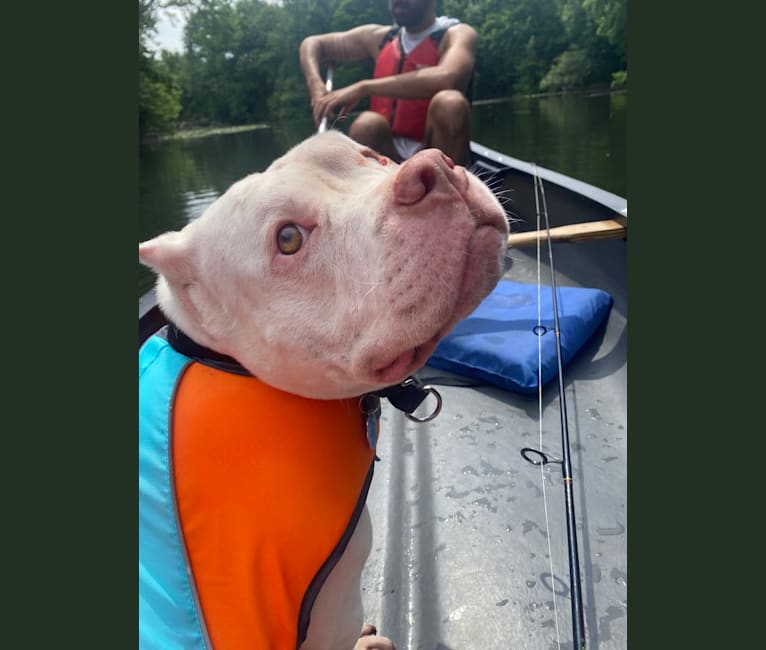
<point x="159" y="98"/>
<point x="159" y="88"/>
<point x="240" y="61"/>
<point x="570" y="70"/>
<point x="146" y="25"/>
<point x="350" y="13"/>
<point x="579" y="28"/>
<point x="518" y="41"/>
<point x="610" y="17"/>
<point x="619" y="80"/>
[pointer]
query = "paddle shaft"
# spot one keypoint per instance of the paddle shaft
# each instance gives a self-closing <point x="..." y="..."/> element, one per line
<point x="328" y="85"/>
<point x="588" y="231"/>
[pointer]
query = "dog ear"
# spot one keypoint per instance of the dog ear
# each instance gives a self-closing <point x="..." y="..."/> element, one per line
<point x="168" y="254"/>
<point x="180" y="291"/>
<point x="171" y="255"/>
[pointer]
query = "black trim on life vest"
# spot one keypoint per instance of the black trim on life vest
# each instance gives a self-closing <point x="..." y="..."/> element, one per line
<point x="390" y="34"/>
<point x="304" y="614"/>
<point x="180" y="342"/>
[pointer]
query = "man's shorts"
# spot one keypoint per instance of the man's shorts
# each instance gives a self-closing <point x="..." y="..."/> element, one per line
<point x="406" y="147"/>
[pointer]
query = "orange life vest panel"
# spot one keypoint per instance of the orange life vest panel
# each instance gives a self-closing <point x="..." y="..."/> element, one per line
<point x="269" y="487"/>
<point x="407" y="117"/>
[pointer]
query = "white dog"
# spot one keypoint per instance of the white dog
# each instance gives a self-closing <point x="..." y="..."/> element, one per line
<point x="331" y="275"/>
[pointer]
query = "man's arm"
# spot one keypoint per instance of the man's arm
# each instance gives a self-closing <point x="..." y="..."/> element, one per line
<point x="453" y="71"/>
<point x="353" y="45"/>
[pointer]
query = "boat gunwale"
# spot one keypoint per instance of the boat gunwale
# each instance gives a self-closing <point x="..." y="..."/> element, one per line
<point x="612" y="201"/>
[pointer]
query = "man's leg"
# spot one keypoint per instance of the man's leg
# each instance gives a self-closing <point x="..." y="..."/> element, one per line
<point x="448" y="125"/>
<point x="372" y="129"/>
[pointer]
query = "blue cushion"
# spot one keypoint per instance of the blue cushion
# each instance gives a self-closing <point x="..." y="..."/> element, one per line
<point x="497" y="343"/>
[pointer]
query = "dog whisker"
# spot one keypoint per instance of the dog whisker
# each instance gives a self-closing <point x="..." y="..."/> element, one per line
<point x="374" y="286"/>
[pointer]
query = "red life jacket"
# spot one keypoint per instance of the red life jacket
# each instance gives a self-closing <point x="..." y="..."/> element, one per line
<point x="407" y="117"/>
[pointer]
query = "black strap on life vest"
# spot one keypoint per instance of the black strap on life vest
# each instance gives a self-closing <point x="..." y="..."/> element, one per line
<point x="390" y="35"/>
<point x="406" y="396"/>
<point x="181" y="343"/>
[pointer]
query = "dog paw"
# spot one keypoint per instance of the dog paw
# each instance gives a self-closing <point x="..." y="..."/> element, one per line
<point x="369" y="640"/>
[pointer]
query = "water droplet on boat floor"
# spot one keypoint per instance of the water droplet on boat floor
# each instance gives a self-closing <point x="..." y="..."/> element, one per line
<point x="619" y="577"/>
<point x="619" y="529"/>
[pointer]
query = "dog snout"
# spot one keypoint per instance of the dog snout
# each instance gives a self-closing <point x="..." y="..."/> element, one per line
<point x="428" y="171"/>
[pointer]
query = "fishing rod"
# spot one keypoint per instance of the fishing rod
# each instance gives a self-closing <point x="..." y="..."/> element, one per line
<point x="537" y="457"/>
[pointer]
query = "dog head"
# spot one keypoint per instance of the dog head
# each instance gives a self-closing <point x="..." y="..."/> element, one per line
<point x="335" y="271"/>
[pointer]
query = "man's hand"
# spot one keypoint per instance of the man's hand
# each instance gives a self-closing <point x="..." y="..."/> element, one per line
<point x="338" y="103"/>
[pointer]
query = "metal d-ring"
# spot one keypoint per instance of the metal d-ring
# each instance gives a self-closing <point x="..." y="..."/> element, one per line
<point x="436" y="411"/>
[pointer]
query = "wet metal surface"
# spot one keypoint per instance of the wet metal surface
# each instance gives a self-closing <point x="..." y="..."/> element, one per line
<point x="462" y="556"/>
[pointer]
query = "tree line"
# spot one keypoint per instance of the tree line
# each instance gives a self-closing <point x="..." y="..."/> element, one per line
<point x="240" y="64"/>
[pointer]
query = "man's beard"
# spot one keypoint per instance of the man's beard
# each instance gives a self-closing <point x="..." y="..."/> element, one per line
<point x="409" y="14"/>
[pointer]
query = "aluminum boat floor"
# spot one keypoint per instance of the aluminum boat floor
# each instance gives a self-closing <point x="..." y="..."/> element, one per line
<point x="461" y="559"/>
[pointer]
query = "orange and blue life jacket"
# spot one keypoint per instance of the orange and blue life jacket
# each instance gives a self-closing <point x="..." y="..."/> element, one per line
<point x="248" y="496"/>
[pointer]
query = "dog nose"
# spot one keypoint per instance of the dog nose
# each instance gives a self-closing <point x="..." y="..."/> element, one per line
<point x="421" y="175"/>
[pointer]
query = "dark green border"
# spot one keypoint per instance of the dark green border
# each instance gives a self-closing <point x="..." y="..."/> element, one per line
<point x="658" y="428"/>
<point x="693" y="243"/>
<point x="69" y="234"/>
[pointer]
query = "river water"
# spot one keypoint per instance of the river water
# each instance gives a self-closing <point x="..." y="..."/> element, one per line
<point x="583" y="136"/>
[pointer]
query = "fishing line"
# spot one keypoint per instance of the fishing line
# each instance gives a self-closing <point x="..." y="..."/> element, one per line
<point x="536" y="456"/>
<point x="540" y="330"/>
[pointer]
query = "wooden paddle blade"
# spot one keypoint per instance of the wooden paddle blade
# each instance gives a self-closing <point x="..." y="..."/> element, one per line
<point x="590" y="230"/>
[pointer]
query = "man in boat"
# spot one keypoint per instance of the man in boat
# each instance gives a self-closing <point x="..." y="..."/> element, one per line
<point x="420" y="86"/>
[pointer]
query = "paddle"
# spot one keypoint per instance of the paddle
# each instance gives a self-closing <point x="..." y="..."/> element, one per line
<point x="328" y="85"/>
<point x="588" y="231"/>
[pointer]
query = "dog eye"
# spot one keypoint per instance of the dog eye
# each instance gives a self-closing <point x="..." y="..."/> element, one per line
<point x="289" y="239"/>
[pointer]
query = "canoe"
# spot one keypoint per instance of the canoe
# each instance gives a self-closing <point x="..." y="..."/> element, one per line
<point x="470" y="547"/>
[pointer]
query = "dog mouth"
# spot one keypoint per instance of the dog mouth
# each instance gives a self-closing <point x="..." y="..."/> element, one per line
<point x="406" y="362"/>
<point x="471" y="278"/>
